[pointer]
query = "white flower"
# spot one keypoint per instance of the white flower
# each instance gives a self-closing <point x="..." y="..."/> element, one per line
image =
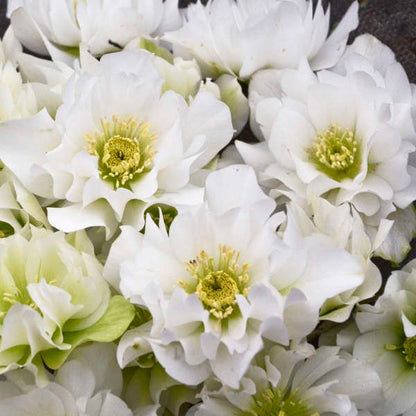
<point x="222" y="280"/>
<point x="181" y="75"/>
<point x="229" y="90"/>
<point x="318" y="268"/>
<point x="46" y="79"/>
<point x="205" y="284"/>
<point x="369" y="55"/>
<point x="52" y="297"/>
<point x="289" y="383"/>
<point x="184" y="77"/>
<point x="331" y="135"/>
<point x="239" y="38"/>
<point x="89" y="383"/>
<point x="396" y="245"/>
<point x="387" y="340"/>
<point x="17" y="99"/>
<point x="58" y="27"/>
<point x="19" y="209"/>
<point x="118" y="145"/>
<point x="149" y="391"/>
<point x="343" y="228"/>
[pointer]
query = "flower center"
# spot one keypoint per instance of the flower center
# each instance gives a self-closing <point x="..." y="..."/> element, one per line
<point x="120" y="155"/>
<point x="14" y="293"/>
<point x="272" y="403"/>
<point x="217" y="290"/>
<point x="124" y="149"/>
<point x="409" y="350"/>
<point x="336" y="153"/>
<point x="217" y="283"/>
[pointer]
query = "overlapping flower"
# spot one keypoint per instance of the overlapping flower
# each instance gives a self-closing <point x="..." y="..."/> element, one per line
<point x="151" y="266"/>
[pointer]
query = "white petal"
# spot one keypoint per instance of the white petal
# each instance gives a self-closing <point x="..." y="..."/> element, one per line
<point x="75" y="217"/>
<point x="237" y="186"/>
<point x="54" y="302"/>
<point x="335" y="44"/>
<point x="124" y="248"/>
<point x="24" y="144"/>
<point x="217" y="128"/>
<point x="172" y="358"/>
<point x="77" y="379"/>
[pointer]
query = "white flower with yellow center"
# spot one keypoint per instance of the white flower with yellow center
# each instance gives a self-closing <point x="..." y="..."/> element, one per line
<point x="239" y="37"/>
<point x="222" y="280"/>
<point x="289" y="383"/>
<point x="205" y="283"/>
<point x="59" y="27"/>
<point x="367" y="54"/>
<point x="333" y="136"/>
<point x="119" y="145"/>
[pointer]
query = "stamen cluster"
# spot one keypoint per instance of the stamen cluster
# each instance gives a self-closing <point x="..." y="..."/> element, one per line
<point x="217" y="283"/>
<point x="272" y="402"/>
<point x="336" y="152"/>
<point x="124" y="148"/>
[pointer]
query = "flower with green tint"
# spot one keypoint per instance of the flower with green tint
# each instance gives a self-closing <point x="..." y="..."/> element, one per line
<point x="119" y="144"/>
<point x="336" y="153"/>
<point x="52" y="298"/>
<point x="343" y="135"/>
<point x="282" y="382"/>
<point x="88" y="384"/>
<point x="386" y="339"/>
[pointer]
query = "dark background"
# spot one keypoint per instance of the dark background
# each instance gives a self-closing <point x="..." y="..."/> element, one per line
<point x="392" y="21"/>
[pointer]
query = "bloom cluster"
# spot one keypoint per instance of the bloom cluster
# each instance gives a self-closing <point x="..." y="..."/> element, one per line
<point x="191" y="201"/>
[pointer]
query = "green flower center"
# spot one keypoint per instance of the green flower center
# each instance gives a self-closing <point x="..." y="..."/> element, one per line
<point x="217" y="283"/>
<point x="336" y="152"/>
<point x="121" y="155"/>
<point x="15" y="291"/>
<point x="217" y="291"/>
<point x="272" y="403"/>
<point x="409" y="350"/>
<point x="125" y="150"/>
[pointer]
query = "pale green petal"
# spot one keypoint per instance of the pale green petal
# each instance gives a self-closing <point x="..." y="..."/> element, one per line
<point x="111" y="326"/>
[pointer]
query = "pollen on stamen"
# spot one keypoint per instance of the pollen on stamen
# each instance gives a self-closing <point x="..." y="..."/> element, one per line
<point x="217" y="282"/>
<point x="335" y="152"/>
<point x="125" y="150"/>
<point x="273" y="401"/>
<point x="409" y="351"/>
